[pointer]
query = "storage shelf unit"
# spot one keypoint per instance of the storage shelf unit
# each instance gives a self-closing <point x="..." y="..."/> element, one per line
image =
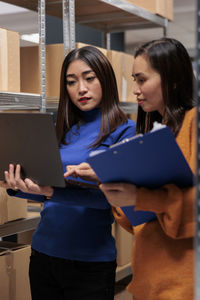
<point x="106" y="15"/>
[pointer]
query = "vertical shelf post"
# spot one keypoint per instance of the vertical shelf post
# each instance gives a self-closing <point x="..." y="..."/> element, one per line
<point x="106" y="40"/>
<point x="68" y="25"/>
<point x="42" y="51"/>
<point x="197" y="204"/>
<point x="165" y="28"/>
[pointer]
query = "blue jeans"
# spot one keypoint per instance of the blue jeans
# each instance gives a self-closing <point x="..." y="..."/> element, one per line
<point x="60" y="279"/>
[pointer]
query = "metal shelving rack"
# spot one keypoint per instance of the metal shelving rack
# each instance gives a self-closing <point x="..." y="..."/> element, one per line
<point x="104" y="15"/>
<point x="197" y="205"/>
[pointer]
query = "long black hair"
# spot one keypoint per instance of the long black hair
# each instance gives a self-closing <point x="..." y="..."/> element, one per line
<point x="111" y="114"/>
<point x="171" y="60"/>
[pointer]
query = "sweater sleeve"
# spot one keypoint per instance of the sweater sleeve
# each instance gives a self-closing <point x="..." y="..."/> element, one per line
<point x="174" y="206"/>
<point x="91" y="198"/>
<point x="19" y="194"/>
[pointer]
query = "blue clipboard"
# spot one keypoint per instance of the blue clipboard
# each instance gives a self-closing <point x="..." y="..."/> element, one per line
<point x="150" y="160"/>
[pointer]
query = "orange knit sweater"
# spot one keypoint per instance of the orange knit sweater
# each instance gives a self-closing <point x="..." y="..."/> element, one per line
<point x="163" y="257"/>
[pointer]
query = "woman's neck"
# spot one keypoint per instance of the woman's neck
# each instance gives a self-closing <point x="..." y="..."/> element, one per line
<point x="91" y="115"/>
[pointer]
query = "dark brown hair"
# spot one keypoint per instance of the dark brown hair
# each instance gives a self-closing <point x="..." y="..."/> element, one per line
<point x="111" y="114"/>
<point x="170" y="59"/>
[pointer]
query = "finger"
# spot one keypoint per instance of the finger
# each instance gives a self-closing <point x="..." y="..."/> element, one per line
<point x="117" y="186"/>
<point x="69" y="170"/>
<point x="10" y="179"/>
<point x="31" y="186"/>
<point x="19" y="182"/>
<point x="87" y="175"/>
<point x="71" y="167"/>
<point x="18" y="172"/>
<point x="109" y="186"/>
<point x="7" y="177"/>
<point x="71" y="173"/>
<point x="84" y="172"/>
<point x="84" y="166"/>
<point x="12" y="174"/>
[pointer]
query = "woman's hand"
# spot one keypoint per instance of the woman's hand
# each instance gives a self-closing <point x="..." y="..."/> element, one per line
<point x="14" y="181"/>
<point x="119" y="194"/>
<point x="84" y="171"/>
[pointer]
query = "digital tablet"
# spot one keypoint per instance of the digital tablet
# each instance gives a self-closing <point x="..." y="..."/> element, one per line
<point x="29" y="139"/>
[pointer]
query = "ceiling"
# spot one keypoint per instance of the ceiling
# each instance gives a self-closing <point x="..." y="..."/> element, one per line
<point x="183" y="27"/>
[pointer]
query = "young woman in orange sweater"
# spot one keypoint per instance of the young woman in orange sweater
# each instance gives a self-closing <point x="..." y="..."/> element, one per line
<point x="163" y="262"/>
<point x="163" y="256"/>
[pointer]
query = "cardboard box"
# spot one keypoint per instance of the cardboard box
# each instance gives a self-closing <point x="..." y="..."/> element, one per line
<point x="25" y="237"/>
<point x="11" y="208"/>
<point x="164" y="8"/>
<point x="54" y="61"/>
<point x="127" y="79"/>
<point x="14" y="265"/>
<point x="103" y="50"/>
<point x="30" y="69"/>
<point x="9" y="61"/>
<point x="115" y="58"/>
<point x="124" y="244"/>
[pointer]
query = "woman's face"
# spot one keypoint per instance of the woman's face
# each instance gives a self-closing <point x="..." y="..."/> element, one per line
<point x="83" y="86"/>
<point x="147" y="86"/>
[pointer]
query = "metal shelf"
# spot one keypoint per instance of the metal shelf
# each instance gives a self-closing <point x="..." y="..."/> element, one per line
<point x="19" y="101"/>
<point x="115" y="15"/>
<point x="105" y="15"/>
<point x="20" y="225"/>
<point x="25" y="101"/>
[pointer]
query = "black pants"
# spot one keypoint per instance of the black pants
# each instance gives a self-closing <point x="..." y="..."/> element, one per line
<point x="60" y="279"/>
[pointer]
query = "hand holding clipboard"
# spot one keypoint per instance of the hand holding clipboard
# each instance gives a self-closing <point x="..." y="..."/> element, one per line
<point x="150" y="160"/>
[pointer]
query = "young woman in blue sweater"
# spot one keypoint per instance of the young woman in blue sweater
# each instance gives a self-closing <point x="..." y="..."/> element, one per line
<point x="73" y="251"/>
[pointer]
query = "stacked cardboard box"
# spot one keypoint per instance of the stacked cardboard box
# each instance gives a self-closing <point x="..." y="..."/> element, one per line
<point x="30" y="81"/>
<point x="14" y="264"/>
<point x="164" y="8"/>
<point x="9" y="61"/>
<point x="30" y="72"/>
<point x="11" y="208"/>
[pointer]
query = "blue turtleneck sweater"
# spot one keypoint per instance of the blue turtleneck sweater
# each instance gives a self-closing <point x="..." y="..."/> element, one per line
<point x="76" y="223"/>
